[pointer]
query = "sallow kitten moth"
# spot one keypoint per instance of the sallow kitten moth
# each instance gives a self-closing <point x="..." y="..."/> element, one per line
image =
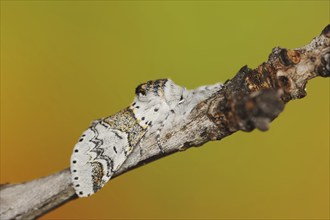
<point x="106" y="144"/>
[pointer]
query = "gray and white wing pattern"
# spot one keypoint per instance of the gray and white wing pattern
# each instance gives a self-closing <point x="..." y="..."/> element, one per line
<point x="100" y="152"/>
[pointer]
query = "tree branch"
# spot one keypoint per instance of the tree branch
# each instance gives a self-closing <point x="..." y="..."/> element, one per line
<point x="252" y="99"/>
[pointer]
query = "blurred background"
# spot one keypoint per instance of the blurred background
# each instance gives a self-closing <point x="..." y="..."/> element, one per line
<point x="66" y="63"/>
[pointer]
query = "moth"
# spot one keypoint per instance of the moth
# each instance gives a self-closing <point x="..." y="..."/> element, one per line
<point x="106" y="144"/>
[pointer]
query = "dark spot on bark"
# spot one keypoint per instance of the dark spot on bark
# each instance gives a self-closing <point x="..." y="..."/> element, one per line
<point x="76" y="151"/>
<point x="76" y="178"/>
<point x="326" y="31"/>
<point x="204" y="133"/>
<point x="74" y="171"/>
<point x="322" y="71"/>
<point x="284" y="58"/>
<point x="74" y="161"/>
<point x="223" y="106"/>
<point x="114" y="148"/>
<point x="168" y="135"/>
<point x="185" y="146"/>
<point x="156" y="110"/>
<point x="80" y="193"/>
<point x="284" y="81"/>
<point x="244" y="69"/>
<point x="77" y="185"/>
<point x="249" y="126"/>
<point x="142" y="118"/>
<point x="286" y="97"/>
<point x="241" y="110"/>
<point x="137" y="107"/>
<point x="81" y="139"/>
<point x="302" y="93"/>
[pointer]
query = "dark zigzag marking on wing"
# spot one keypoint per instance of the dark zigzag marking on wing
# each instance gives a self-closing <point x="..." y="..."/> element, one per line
<point x="99" y="151"/>
<point x="104" y="124"/>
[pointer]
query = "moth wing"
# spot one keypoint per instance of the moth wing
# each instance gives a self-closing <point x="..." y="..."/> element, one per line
<point x="100" y="152"/>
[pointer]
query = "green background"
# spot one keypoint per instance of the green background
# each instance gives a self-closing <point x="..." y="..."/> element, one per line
<point x="66" y="63"/>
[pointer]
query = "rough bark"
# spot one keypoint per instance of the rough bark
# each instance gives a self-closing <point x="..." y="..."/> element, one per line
<point x="252" y="99"/>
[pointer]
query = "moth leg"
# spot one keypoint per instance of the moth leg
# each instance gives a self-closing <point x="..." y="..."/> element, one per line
<point x="158" y="138"/>
<point x="159" y="130"/>
<point x="140" y="148"/>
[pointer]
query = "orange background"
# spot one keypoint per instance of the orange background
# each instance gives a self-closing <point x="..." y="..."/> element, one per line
<point x="66" y="63"/>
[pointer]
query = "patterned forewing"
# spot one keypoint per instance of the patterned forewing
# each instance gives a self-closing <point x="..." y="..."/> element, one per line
<point x="102" y="149"/>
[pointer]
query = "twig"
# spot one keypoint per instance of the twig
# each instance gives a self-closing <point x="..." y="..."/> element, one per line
<point x="252" y="99"/>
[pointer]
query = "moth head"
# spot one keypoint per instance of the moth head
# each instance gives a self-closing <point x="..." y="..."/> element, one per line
<point x="150" y="90"/>
<point x="141" y="90"/>
<point x="143" y="93"/>
<point x="161" y="90"/>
